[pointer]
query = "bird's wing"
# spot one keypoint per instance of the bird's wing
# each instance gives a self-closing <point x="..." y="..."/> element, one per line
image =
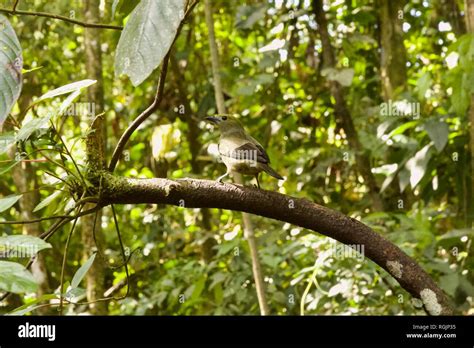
<point x="243" y="149"/>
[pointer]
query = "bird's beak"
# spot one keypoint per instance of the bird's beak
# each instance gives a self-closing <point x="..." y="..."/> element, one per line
<point x="213" y="119"/>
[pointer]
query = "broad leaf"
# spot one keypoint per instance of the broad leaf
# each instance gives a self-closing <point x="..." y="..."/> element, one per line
<point x="27" y="129"/>
<point x="423" y="83"/>
<point x="438" y="132"/>
<point x="16" y="278"/>
<point x="417" y="165"/>
<point x="147" y="37"/>
<point x="22" y="245"/>
<point x="11" y="64"/>
<point x="81" y="272"/>
<point x="8" y="202"/>
<point x="47" y="201"/>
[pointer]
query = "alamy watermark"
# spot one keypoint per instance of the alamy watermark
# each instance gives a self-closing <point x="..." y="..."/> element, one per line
<point x="343" y="251"/>
<point x="246" y="156"/>
<point x="8" y="250"/>
<point x="400" y="108"/>
<point x="80" y="109"/>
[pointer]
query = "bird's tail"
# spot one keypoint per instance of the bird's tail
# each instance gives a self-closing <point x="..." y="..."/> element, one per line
<point x="270" y="171"/>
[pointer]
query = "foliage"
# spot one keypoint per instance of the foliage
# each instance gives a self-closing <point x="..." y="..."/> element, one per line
<point x="187" y="261"/>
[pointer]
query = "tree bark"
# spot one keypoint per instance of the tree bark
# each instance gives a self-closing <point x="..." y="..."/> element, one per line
<point x="95" y="144"/>
<point x="247" y="222"/>
<point x="274" y="205"/>
<point x="393" y="54"/>
<point x="341" y="112"/>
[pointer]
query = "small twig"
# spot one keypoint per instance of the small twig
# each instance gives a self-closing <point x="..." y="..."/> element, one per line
<point x="66" y="248"/>
<point x="69" y="154"/>
<point x="61" y="18"/>
<point x="122" y="249"/>
<point x="24" y="222"/>
<point x="15" y="5"/>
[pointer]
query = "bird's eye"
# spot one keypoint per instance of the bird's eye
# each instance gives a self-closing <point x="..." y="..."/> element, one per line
<point x="224" y="118"/>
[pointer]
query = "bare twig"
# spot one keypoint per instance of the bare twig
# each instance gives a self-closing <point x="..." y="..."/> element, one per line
<point x="14" y="11"/>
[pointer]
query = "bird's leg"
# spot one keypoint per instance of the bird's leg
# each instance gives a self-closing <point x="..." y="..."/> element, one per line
<point x="219" y="179"/>
<point x="256" y="177"/>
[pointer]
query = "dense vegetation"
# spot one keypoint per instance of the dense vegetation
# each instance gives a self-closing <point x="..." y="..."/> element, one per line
<point x="364" y="107"/>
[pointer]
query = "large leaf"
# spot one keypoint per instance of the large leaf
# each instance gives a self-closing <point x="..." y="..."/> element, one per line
<point x="22" y="245"/>
<point x="81" y="272"/>
<point x="417" y="165"/>
<point x="8" y="202"/>
<point x="438" y="131"/>
<point x="147" y="37"/>
<point x="11" y="64"/>
<point x="16" y="278"/>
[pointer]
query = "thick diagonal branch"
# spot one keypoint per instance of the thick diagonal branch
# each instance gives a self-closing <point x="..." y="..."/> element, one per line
<point x="298" y="211"/>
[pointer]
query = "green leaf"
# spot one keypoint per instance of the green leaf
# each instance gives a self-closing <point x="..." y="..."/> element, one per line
<point x="30" y="306"/>
<point x="147" y="37"/>
<point x="8" y="167"/>
<point x="449" y="283"/>
<point x="217" y="279"/>
<point x="403" y="127"/>
<point x="27" y="129"/>
<point x="218" y="294"/>
<point x="11" y="65"/>
<point x="15" y="278"/>
<point x="423" y="83"/>
<point x="47" y="201"/>
<point x="81" y="272"/>
<point x="114" y="7"/>
<point x="69" y="88"/>
<point x="343" y="76"/>
<point x="22" y="245"/>
<point x="8" y="202"/>
<point x="6" y="140"/>
<point x="247" y="16"/>
<point x="127" y="6"/>
<point x="417" y="165"/>
<point x="438" y="131"/>
<point x="198" y="288"/>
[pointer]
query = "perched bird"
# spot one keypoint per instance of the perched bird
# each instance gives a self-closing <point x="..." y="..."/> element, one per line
<point x="240" y="152"/>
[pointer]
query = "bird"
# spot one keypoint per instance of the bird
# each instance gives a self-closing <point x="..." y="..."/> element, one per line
<point x="239" y="151"/>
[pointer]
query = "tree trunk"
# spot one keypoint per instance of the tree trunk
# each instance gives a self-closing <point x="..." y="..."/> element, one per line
<point x="95" y="284"/>
<point x="341" y="112"/>
<point x="247" y="222"/>
<point x="393" y="53"/>
<point x="469" y="10"/>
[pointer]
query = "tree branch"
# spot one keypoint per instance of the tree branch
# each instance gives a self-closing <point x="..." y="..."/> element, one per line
<point x="298" y="211"/>
<point x="61" y="18"/>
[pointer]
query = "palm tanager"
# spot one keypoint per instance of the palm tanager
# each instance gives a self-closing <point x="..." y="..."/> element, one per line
<point x="240" y="152"/>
